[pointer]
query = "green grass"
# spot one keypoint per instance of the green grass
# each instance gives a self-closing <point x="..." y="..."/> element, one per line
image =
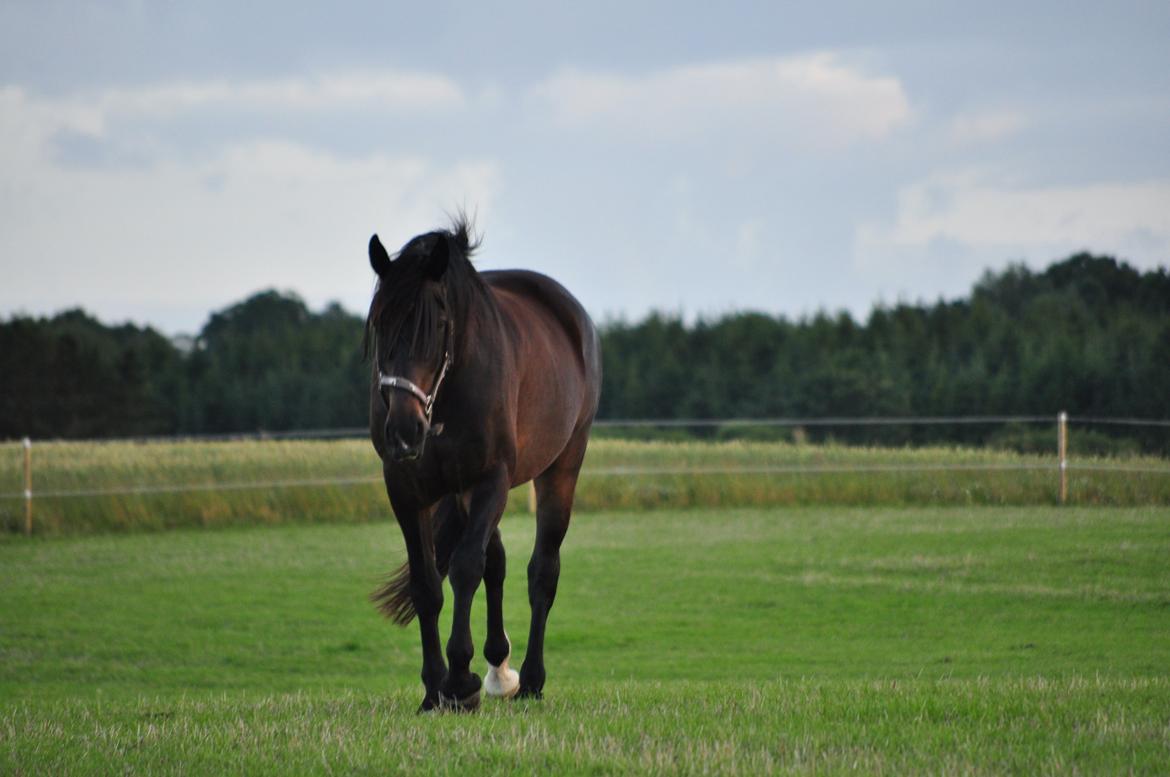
<point x="83" y="487"/>
<point x="1031" y="726"/>
<point x="810" y="640"/>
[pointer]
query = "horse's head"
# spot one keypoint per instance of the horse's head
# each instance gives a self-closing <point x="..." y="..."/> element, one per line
<point x="410" y="334"/>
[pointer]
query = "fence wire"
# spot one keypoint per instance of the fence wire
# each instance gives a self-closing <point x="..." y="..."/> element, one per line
<point x="346" y="433"/>
<point x="729" y="423"/>
<point x="1054" y="465"/>
<point x="799" y="469"/>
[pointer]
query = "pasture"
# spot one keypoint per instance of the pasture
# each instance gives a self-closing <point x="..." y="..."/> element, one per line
<point x="955" y="640"/>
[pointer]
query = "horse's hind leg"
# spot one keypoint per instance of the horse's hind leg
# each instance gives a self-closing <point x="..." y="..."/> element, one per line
<point x="501" y="680"/>
<point x="554" y="503"/>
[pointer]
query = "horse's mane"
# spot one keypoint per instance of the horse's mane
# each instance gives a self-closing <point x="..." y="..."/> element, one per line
<point x="406" y="309"/>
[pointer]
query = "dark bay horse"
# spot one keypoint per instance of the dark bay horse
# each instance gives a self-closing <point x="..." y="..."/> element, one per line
<point x="481" y="382"/>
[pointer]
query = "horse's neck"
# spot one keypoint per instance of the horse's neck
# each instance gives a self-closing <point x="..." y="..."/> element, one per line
<point x="481" y="346"/>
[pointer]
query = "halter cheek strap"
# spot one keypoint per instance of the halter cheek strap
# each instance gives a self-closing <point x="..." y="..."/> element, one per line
<point x="410" y="387"/>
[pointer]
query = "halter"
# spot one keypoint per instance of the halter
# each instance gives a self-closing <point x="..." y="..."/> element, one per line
<point x="409" y="386"/>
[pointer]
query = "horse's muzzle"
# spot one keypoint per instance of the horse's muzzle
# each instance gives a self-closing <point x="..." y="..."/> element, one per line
<point x="406" y="444"/>
<point x="401" y="451"/>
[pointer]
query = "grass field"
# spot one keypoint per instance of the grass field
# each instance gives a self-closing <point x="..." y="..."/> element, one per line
<point x="957" y="640"/>
<point x="123" y="486"/>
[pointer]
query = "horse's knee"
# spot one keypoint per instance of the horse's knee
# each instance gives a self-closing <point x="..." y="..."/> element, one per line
<point x="427" y="599"/>
<point x="467" y="569"/>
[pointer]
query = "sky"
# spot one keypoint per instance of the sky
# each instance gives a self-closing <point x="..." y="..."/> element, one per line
<point x="161" y="160"/>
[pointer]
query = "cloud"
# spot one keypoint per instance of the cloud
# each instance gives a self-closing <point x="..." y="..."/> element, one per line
<point x="994" y="221"/>
<point x="385" y="90"/>
<point x="27" y="124"/>
<point x="985" y="127"/>
<point x="192" y="230"/>
<point x="968" y="129"/>
<point x="84" y="121"/>
<point x="812" y="100"/>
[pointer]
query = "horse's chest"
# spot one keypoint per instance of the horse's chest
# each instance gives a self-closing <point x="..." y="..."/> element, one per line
<point x="454" y="465"/>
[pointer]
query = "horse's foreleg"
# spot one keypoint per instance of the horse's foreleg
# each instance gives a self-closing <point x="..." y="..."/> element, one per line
<point x="461" y="687"/>
<point x="426" y="593"/>
<point x="450" y="521"/>
<point x="501" y="680"/>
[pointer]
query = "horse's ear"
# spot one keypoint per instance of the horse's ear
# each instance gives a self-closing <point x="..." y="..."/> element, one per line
<point x="379" y="259"/>
<point x="437" y="261"/>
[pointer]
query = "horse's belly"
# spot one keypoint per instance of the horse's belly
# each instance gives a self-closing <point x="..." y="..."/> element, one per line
<point x="553" y="395"/>
<point x="545" y="424"/>
<point x="538" y="446"/>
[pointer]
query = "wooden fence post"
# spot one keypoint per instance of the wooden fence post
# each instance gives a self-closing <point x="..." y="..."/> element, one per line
<point x="27" y="487"/>
<point x="1062" y="452"/>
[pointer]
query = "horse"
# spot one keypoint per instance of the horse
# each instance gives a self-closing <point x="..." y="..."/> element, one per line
<point x="480" y="382"/>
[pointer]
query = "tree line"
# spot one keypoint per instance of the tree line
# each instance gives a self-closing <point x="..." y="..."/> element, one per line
<point x="1089" y="335"/>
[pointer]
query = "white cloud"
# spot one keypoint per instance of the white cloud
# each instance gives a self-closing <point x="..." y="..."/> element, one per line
<point x="26" y="125"/>
<point x="989" y="222"/>
<point x="195" y="231"/>
<point x="813" y="100"/>
<point x="91" y="113"/>
<point x="985" y="127"/>
<point x="388" y="91"/>
<point x="749" y="243"/>
<point x="973" y="211"/>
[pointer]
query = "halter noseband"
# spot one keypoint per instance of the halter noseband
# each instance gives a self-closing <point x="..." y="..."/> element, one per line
<point x="410" y="387"/>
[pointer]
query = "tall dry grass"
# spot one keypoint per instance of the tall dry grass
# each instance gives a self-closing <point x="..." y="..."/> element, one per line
<point x="82" y="487"/>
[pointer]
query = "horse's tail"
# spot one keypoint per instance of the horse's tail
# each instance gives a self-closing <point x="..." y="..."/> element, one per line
<point x="393" y="597"/>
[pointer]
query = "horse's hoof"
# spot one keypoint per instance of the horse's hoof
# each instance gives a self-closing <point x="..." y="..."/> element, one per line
<point x="502" y="682"/>
<point x="428" y="705"/>
<point x="461" y="695"/>
<point x="466" y="704"/>
<point x="529" y="693"/>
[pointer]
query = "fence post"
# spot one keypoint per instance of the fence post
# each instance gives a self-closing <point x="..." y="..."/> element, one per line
<point x="27" y="487"/>
<point x="1062" y="453"/>
<point x="532" y="496"/>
